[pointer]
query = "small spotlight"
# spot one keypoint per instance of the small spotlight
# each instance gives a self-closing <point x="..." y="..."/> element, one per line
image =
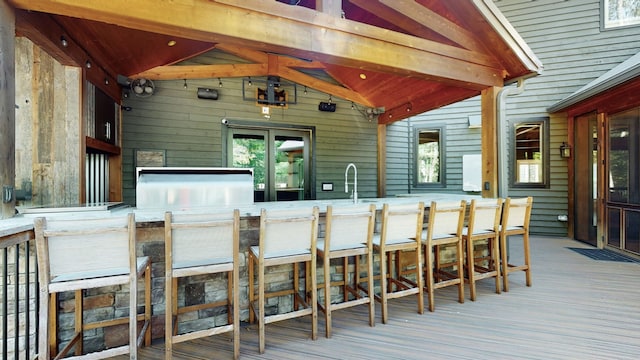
<point x="63" y="41"/>
<point x="305" y="90"/>
<point x="106" y="81"/>
<point x="87" y="64"/>
<point x="171" y="43"/>
<point x="219" y="83"/>
<point x="250" y="83"/>
<point x="127" y="108"/>
<point x="353" y="106"/>
<point x="185" y="84"/>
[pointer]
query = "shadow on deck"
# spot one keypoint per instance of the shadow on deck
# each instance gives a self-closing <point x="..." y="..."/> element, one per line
<point x="577" y="308"/>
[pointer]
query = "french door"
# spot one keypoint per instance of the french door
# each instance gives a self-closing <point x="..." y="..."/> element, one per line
<point x="280" y="159"/>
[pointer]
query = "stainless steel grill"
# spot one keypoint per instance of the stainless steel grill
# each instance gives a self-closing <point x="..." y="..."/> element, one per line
<point x="187" y="188"/>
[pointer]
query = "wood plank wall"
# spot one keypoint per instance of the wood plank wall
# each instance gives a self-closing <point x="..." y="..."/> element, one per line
<point x="48" y="127"/>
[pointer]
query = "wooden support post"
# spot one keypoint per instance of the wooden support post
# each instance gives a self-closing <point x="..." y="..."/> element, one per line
<point x="490" y="167"/>
<point x="382" y="160"/>
<point x="7" y="111"/>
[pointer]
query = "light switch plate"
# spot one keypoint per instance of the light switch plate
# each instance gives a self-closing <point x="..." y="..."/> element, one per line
<point x="327" y="186"/>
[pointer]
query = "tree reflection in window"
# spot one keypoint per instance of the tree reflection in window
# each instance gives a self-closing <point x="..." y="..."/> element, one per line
<point x="428" y="156"/>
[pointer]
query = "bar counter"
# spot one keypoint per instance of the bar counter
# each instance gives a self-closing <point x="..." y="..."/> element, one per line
<point x="150" y="238"/>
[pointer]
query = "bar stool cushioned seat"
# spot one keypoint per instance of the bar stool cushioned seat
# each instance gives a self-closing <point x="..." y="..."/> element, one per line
<point x="446" y="220"/>
<point x="516" y="215"/>
<point x="81" y="254"/>
<point x="398" y="245"/>
<point x="200" y="244"/>
<point x="483" y="226"/>
<point x="287" y="236"/>
<point x="348" y="234"/>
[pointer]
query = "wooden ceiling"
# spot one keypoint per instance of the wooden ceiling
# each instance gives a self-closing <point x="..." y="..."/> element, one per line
<point x="407" y="57"/>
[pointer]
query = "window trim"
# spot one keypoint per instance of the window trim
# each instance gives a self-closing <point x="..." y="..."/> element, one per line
<point x="416" y="141"/>
<point x="606" y="24"/>
<point x="546" y="150"/>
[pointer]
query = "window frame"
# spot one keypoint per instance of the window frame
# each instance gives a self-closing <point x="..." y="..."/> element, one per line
<point x="442" y="159"/>
<point x="545" y="158"/>
<point x="607" y="24"/>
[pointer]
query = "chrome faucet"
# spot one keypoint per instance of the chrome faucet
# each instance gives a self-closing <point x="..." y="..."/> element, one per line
<point x="355" y="181"/>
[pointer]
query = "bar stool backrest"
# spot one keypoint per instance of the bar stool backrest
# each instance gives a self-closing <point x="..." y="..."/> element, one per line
<point x="203" y="239"/>
<point x="446" y="218"/>
<point x="287" y="231"/>
<point x="484" y="215"/>
<point x="87" y="248"/>
<point x="517" y="213"/>
<point x="349" y="225"/>
<point x="401" y="222"/>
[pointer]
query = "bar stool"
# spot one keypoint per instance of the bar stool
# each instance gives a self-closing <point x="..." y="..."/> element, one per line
<point x="80" y="254"/>
<point x="348" y="234"/>
<point x="446" y="220"/>
<point x="483" y="226"/>
<point x="400" y="235"/>
<point x="516" y="215"/>
<point x="287" y="236"/>
<point x="198" y="244"/>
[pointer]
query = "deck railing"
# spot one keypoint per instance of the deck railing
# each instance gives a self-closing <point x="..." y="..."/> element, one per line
<point x="19" y="297"/>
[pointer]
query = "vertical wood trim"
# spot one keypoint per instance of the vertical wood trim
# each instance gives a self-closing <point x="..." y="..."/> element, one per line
<point x="571" y="170"/>
<point x="382" y="160"/>
<point x="603" y="180"/>
<point x="489" y="108"/>
<point x="7" y="106"/>
<point x="330" y="7"/>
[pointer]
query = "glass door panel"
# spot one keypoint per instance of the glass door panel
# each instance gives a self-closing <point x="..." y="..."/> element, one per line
<point x="249" y="150"/>
<point x="289" y="167"/>
<point x="279" y="159"/>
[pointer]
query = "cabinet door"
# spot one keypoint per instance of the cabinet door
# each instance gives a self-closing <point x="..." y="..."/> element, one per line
<point x="105" y="118"/>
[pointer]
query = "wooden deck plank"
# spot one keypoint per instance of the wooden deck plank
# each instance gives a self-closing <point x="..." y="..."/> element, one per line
<point x="577" y="308"/>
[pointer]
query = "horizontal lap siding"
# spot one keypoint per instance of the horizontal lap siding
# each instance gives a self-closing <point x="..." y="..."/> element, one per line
<point x="190" y="130"/>
<point x="566" y="37"/>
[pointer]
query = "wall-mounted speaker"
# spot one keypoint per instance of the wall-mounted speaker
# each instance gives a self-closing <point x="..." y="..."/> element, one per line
<point x="207" y="94"/>
<point x="325" y="106"/>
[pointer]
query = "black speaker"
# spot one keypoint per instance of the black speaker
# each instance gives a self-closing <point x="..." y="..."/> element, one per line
<point x="325" y="106"/>
<point x="208" y="94"/>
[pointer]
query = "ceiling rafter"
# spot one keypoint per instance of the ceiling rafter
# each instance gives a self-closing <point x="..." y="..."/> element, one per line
<point x="318" y="38"/>
<point x="430" y="19"/>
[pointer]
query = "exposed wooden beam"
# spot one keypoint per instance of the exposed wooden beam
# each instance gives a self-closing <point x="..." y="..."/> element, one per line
<point x="323" y="86"/>
<point x="307" y="34"/>
<point x="174" y="72"/>
<point x="432" y="20"/>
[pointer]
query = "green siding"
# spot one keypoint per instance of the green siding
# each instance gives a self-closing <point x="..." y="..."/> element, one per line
<point x="567" y="38"/>
<point x="190" y="129"/>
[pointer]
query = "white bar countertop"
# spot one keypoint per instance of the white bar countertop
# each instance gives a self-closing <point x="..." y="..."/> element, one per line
<point x="24" y="221"/>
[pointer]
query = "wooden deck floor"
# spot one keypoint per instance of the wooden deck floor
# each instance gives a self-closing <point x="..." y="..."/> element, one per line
<point x="577" y="308"/>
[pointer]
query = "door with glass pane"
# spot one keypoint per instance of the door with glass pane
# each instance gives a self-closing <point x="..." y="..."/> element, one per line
<point x="586" y="179"/>
<point x="623" y="197"/>
<point x="279" y="158"/>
